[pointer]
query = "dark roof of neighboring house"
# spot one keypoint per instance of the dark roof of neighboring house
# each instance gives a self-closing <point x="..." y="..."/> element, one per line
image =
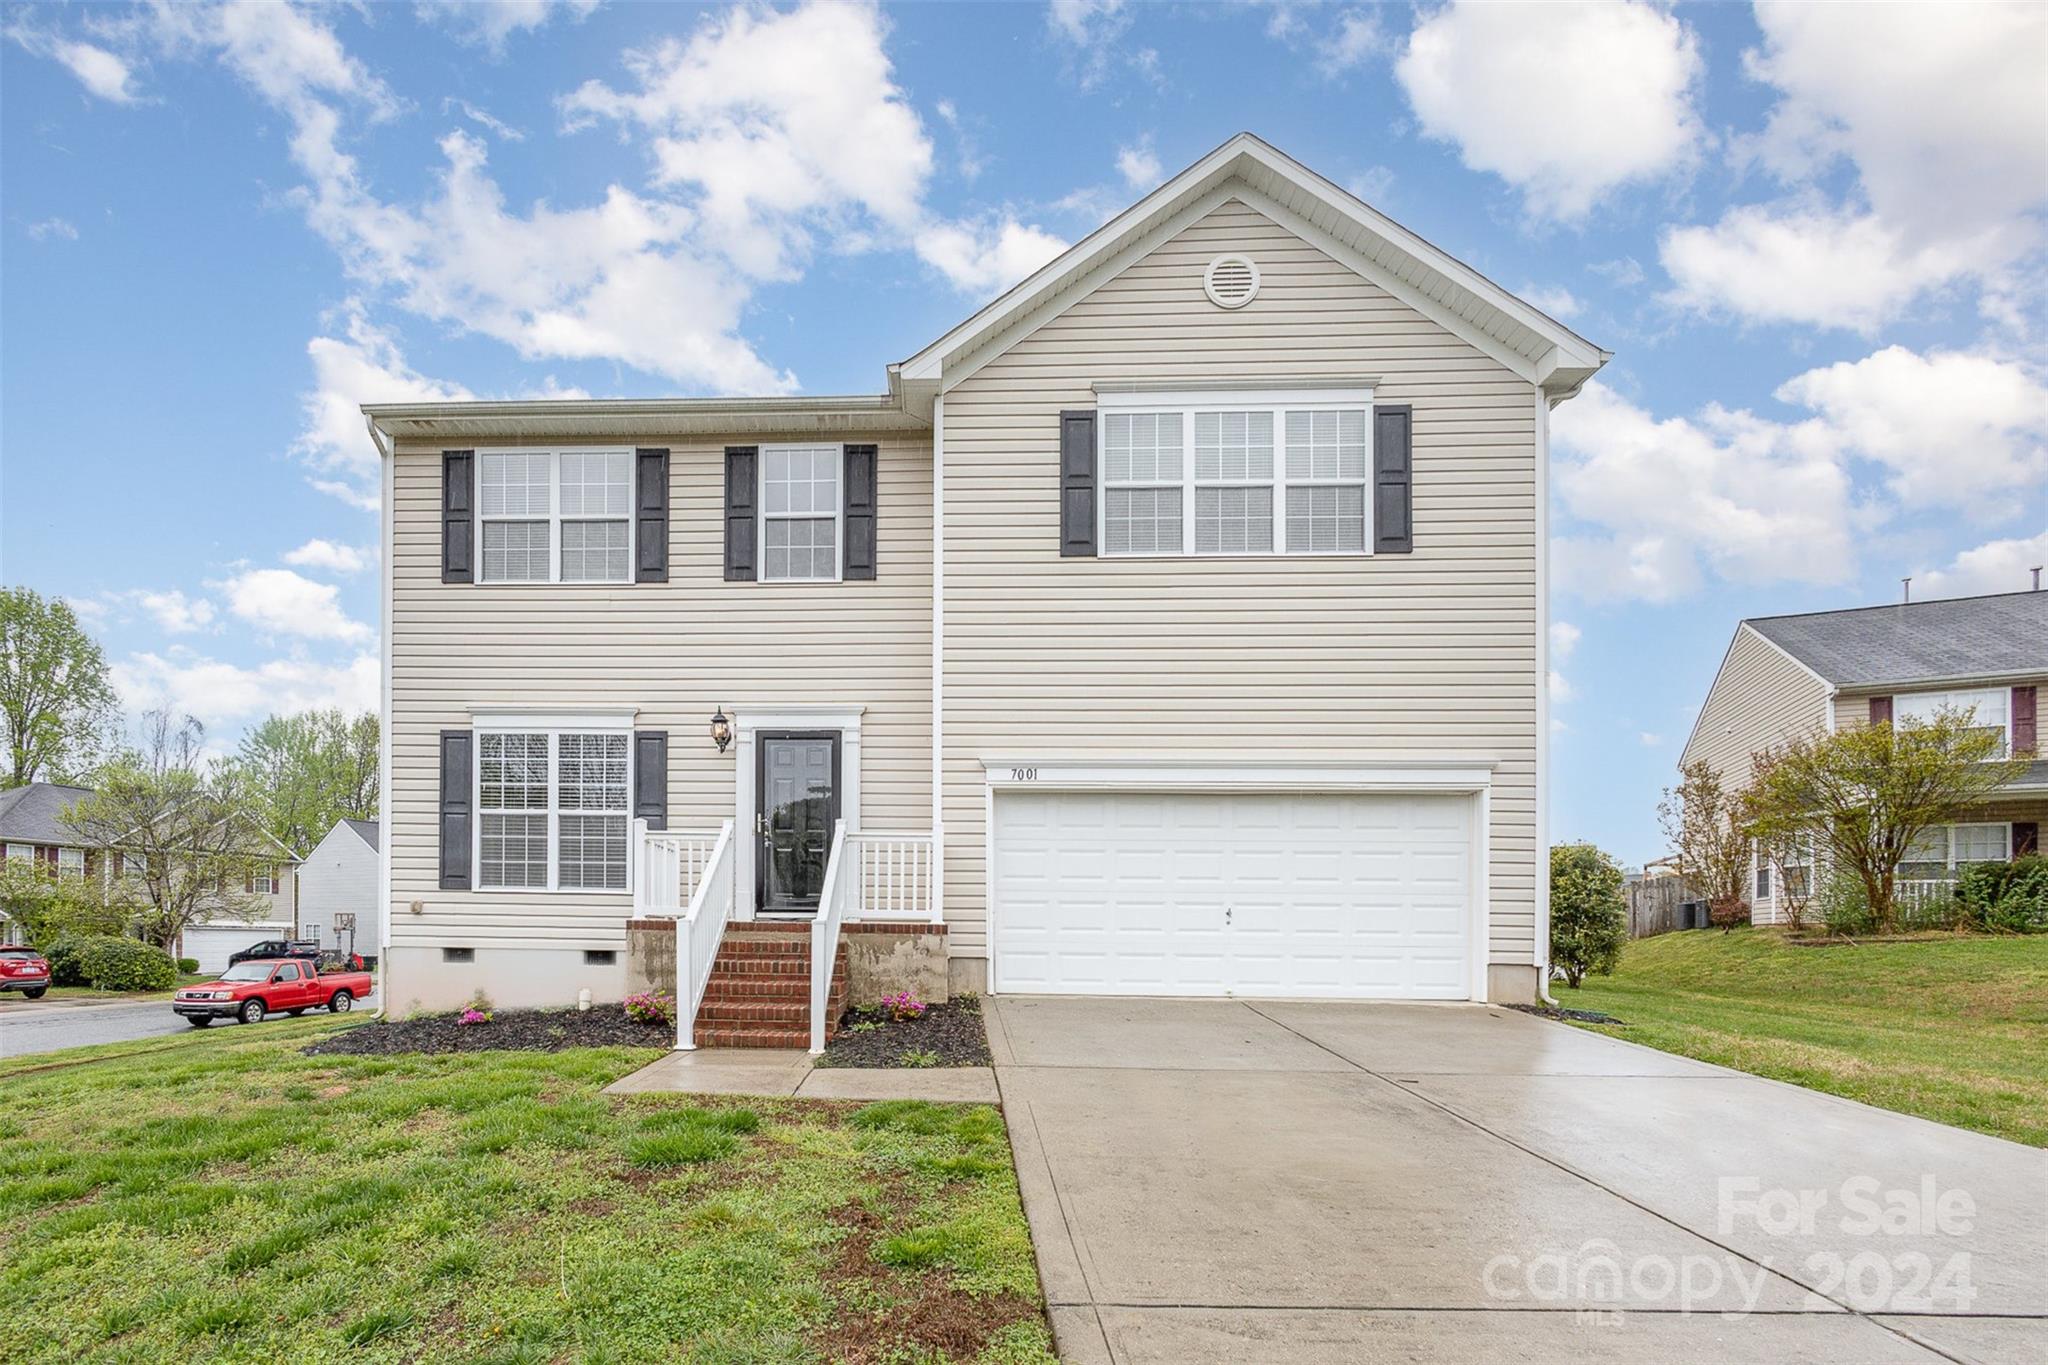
<point x="35" y="814"/>
<point x="366" y="828"/>
<point x="1918" y="642"/>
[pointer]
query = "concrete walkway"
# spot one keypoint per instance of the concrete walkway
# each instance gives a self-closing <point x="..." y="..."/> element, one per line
<point x="1251" y="1181"/>
<point x="773" y="1071"/>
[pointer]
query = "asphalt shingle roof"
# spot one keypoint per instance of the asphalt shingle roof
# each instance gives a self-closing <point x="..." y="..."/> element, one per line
<point x="35" y="814"/>
<point x="366" y="828"/>
<point x="1918" y="642"/>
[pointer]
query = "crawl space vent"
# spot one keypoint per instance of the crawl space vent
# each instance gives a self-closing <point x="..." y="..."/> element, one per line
<point x="1231" y="281"/>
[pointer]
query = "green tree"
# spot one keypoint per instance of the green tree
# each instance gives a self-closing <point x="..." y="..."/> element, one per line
<point x="55" y="698"/>
<point x="188" y="832"/>
<point x="1701" y="819"/>
<point x="310" y="770"/>
<point x="47" y="904"/>
<point x="1588" y="915"/>
<point x="1862" y="796"/>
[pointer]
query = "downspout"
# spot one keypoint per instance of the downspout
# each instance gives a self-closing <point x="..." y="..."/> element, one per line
<point x="387" y="478"/>
<point x="939" y="658"/>
<point x="1542" y="917"/>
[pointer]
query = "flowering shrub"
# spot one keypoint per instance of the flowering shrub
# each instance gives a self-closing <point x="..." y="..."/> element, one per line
<point x="902" y="1006"/>
<point x="473" y="1015"/>
<point x="651" y="1007"/>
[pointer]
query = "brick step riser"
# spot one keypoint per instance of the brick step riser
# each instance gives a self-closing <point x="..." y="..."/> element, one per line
<point x="713" y="995"/>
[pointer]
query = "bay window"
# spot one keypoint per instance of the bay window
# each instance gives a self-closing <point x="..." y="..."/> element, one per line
<point x="549" y="516"/>
<point x="552" y="810"/>
<point x="1255" y="473"/>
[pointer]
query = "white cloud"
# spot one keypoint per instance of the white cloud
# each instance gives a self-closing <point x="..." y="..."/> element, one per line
<point x="52" y="227"/>
<point x="1083" y="22"/>
<point x="286" y="603"/>
<point x="330" y="556"/>
<point x="102" y="73"/>
<point x="363" y="499"/>
<point x="220" y="693"/>
<point x="1089" y="32"/>
<point x="490" y="23"/>
<point x="1357" y="39"/>
<point x="483" y="118"/>
<point x="1950" y="428"/>
<point x="1648" y="740"/>
<point x="1139" y="165"/>
<point x="1564" y="638"/>
<point x="1997" y="566"/>
<point x="1566" y="102"/>
<point x="363" y="365"/>
<point x="1623" y="272"/>
<point x="1372" y="183"/>
<point x="984" y="257"/>
<point x="174" y="612"/>
<point x="1757" y="501"/>
<point x="1560" y="689"/>
<point x="1552" y="299"/>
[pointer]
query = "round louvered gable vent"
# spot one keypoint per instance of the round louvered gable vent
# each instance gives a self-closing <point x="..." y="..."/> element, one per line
<point x="1231" y="281"/>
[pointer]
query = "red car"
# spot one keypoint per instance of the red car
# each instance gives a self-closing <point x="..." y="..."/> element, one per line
<point x="250" y="990"/>
<point x="24" y="970"/>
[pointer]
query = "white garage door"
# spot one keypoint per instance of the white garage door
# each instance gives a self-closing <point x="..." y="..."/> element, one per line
<point x="1318" y="895"/>
<point x="210" y="944"/>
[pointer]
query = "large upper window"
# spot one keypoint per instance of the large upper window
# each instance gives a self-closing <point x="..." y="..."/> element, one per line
<point x="556" y="516"/>
<point x="800" y="511"/>
<point x="1235" y="474"/>
<point x="1987" y="707"/>
<point x="552" y="810"/>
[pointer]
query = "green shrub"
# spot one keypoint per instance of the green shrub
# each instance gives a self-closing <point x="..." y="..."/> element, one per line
<point x="62" y="955"/>
<point x="1588" y="913"/>
<point x="2009" y="898"/>
<point x="188" y="966"/>
<point x="111" y="963"/>
<point x="1840" y="904"/>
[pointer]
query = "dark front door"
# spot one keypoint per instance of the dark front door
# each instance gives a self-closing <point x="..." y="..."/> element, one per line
<point x="798" y="784"/>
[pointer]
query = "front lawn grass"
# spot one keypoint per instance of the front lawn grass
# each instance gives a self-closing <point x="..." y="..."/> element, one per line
<point x="1953" y="1028"/>
<point x="220" y="1196"/>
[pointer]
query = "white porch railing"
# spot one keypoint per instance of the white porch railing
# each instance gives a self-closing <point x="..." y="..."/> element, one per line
<point x="671" y="866"/>
<point x="699" y="932"/>
<point x="1923" y="895"/>
<point x="834" y="901"/>
<point x="895" y="876"/>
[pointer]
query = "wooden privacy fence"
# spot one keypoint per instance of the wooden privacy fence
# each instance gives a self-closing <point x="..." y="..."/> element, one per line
<point x="1653" y="905"/>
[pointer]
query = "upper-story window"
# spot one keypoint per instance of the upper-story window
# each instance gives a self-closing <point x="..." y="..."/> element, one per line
<point x="71" y="862"/>
<point x="21" y="853"/>
<point x="555" y="516"/>
<point x="800" y="512"/>
<point x="1254" y="473"/>
<point x="1989" y="707"/>
<point x="264" y="881"/>
<point x="552" y="809"/>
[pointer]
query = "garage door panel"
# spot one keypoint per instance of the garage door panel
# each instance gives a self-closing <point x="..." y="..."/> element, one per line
<point x="1325" y="894"/>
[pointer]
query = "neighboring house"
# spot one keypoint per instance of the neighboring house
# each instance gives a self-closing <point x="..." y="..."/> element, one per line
<point x="1184" y="608"/>
<point x="32" y="827"/>
<point x="1790" y="675"/>
<point x="338" y="905"/>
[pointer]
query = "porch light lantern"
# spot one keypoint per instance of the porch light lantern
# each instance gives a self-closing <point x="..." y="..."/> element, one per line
<point x="721" y="729"/>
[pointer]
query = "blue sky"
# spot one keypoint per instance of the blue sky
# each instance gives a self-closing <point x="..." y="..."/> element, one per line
<point x="1813" y="237"/>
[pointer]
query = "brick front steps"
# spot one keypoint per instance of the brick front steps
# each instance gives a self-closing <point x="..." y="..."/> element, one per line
<point x="759" y="994"/>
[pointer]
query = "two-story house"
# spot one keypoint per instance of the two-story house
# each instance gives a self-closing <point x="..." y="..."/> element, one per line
<point x="1821" y="671"/>
<point x="1173" y="625"/>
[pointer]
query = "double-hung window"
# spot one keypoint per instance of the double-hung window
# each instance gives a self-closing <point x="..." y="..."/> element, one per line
<point x="1988" y="708"/>
<point x="1941" y="851"/>
<point x="71" y="863"/>
<point x="552" y="810"/>
<point x="555" y="516"/>
<point x="800" y="512"/>
<point x="1255" y="473"/>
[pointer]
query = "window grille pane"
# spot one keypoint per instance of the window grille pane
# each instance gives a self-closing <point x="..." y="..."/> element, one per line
<point x="1979" y="844"/>
<point x="1142" y="447"/>
<point x="591" y="772"/>
<point x="1326" y="521"/>
<point x="597" y="485"/>
<point x="514" y="485"/>
<point x="593" y="853"/>
<point x="1142" y="521"/>
<point x="1232" y="447"/>
<point x="1326" y="445"/>
<point x="515" y="551"/>
<point x="594" y="551"/>
<point x="514" y="850"/>
<point x="800" y="480"/>
<point x="512" y="772"/>
<point x="806" y="548"/>
<point x="1233" y="521"/>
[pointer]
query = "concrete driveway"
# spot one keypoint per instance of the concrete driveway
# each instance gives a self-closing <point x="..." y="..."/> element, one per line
<point x="1252" y="1181"/>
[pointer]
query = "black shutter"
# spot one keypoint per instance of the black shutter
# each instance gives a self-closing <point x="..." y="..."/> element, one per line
<point x="860" y="512"/>
<point x="458" y="516"/>
<point x="1393" y="491"/>
<point x="650" y="515"/>
<point x="739" y="512"/>
<point x="458" y="756"/>
<point x="1077" y="482"/>
<point x="650" y="777"/>
<point x="2026" y="837"/>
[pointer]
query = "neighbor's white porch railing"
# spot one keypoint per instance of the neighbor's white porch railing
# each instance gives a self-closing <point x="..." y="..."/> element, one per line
<point x="895" y="876"/>
<point x="834" y="901"/>
<point x="670" y="865"/>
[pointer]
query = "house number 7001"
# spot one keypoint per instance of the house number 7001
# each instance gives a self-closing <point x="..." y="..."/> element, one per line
<point x="1023" y="774"/>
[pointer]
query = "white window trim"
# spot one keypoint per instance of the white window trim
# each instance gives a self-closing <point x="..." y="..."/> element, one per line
<point x="554" y="517"/>
<point x="21" y="853"/>
<point x="1957" y="698"/>
<point x="1187" y="402"/>
<point x="554" y="726"/>
<point x="71" y="863"/>
<point x="1949" y="832"/>
<point x="762" y="516"/>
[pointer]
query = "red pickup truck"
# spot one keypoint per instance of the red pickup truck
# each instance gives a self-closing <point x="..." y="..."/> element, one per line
<point x="250" y="990"/>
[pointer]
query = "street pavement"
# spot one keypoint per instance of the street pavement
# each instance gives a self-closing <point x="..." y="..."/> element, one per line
<point x="47" y="1025"/>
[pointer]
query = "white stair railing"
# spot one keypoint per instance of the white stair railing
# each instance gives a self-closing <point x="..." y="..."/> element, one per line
<point x="699" y="930"/>
<point x="834" y="901"/>
<point x="895" y="876"/>
<point x="671" y="866"/>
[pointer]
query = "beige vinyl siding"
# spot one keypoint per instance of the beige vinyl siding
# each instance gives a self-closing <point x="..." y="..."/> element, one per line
<point x="1853" y="708"/>
<point x="1425" y="655"/>
<point x="675" y="650"/>
<point x="1760" y="697"/>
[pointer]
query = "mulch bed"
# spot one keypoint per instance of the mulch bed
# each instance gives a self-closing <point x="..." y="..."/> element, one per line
<point x="951" y="1032"/>
<point x="508" y="1031"/>
<point x="1574" y="1016"/>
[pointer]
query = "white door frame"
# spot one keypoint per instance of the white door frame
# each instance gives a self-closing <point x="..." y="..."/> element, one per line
<point x="1471" y="777"/>
<point x="748" y="721"/>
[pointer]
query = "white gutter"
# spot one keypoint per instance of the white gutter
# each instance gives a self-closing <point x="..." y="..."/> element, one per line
<point x="939" y="658"/>
<point x="1542" y="920"/>
<point x="388" y="499"/>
